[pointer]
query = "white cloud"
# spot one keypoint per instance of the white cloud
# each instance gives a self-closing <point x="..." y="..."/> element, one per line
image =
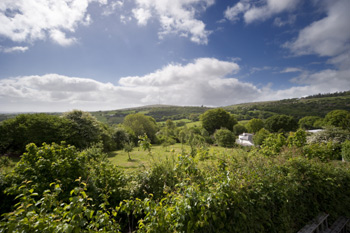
<point x="60" y="38"/>
<point x="291" y="70"/>
<point x="111" y="7"/>
<point x="329" y="36"/>
<point x="279" y="22"/>
<point x="205" y="81"/>
<point x="14" y="49"/>
<point x="31" y="20"/>
<point x="175" y="17"/>
<point x="142" y="15"/>
<point x="259" y="10"/>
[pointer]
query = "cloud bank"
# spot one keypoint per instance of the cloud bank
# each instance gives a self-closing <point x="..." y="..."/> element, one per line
<point x="32" y="20"/>
<point x="205" y="81"/>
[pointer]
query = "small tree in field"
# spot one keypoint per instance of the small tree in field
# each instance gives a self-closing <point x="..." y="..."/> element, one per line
<point x="129" y="147"/>
<point x="145" y="143"/>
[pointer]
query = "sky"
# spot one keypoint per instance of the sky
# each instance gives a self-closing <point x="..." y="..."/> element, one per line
<point x="60" y="55"/>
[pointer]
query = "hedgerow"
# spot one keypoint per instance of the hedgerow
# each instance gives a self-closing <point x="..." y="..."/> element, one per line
<point x="235" y="191"/>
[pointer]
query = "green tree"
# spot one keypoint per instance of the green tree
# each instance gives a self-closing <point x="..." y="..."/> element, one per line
<point x="239" y="129"/>
<point x="308" y="122"/>
<point x="338" y="118"/>
<point x="273" y="144"/>
<point x="297" y="139"/>
<point x="120" y="136"/>
<point x="129" y="147"/>
<point x="260" y="136"/>
<point x="254" y="125"/>
<point x="281" y="123"/>
<point x="140" y="124"/>
<point x="145" y="143"/>
<point x="84" y="130"/>
<point x="16" y="133"/>
<point x="216" y="119"/>
<point x="224" y="137"/>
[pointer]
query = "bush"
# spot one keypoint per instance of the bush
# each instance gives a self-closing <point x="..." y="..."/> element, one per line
<point x="323" y="151"/>
<point x="345" y="151"/>
<point x="224" y="138"/>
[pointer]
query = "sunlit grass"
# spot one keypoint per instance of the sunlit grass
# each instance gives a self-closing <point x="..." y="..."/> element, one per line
<point x="141" y="160"/>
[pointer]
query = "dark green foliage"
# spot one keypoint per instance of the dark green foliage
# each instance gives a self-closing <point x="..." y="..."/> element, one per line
<point x="251" y="194"/>
<point x="281" y="123"/>
<point x="338" y="118"/>
<point x="254" y="125"/>
<point x="317" y="105"/>
<point x="84" y="130"/>
<point x="325" y="151"/>
<point x="16" y="133"/>
<point x="120" y="136"/>
<point x="224" y="138"/>
<point x="239" y="129"/>
<point x="309" y="122"/>
<point x="260" y="136"/>
<point x="217" y="118"/>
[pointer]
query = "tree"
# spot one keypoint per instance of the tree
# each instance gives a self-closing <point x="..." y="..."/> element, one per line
<point x="145" y="143"/>
<point x="216" y="119"/>
<point x="84" y="129"/>
<point x="338" y="118"/>
<point x="239" y="129"/>
<point x="254" y="125"/>
<point x="260" y="136"/>
<point x="16" y="133"/>
<point x="224" y="138"/>
<point x="140" y="124"/>
<point x="281" y="123"/>
<point x="297" y="139"/>
<point x="128" y="147"/>
<point x="308" y="122"/>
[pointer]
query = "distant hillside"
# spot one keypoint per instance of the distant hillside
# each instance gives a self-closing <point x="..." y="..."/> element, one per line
<point x="316" y="105"/>
<point x="158" y="112"/>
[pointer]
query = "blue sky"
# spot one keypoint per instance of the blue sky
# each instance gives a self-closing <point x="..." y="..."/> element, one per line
<point x="59" y="55"/>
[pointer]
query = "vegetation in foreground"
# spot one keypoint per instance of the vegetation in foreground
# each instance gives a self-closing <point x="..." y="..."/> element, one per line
<point x="170" y="177"/>
<point x="55" y="188"/>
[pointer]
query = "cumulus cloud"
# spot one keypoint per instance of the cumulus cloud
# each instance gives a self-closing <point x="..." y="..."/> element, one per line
<point x="329" y="36"/>
<point x="205" y="81"/>
<point x="175" y="16"/>
<point x="13" y="49"/>
<point x="259" y="10"/>
<point x="31" y="20"/>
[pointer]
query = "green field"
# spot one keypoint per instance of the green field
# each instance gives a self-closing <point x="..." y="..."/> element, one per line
<point x="141" y="160"/>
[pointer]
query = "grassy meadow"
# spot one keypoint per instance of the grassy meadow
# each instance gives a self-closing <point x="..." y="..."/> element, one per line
<point x="142" y="160"/>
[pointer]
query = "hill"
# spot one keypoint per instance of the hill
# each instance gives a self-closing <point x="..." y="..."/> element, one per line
<point x="158" y="112"/>
<point x="316" y="105"/>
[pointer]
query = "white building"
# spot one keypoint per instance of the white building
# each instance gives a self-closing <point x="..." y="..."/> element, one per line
<point x="245" y="139"/>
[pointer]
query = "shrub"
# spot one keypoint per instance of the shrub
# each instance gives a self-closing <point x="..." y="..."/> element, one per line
<point x="224" y="138"/>
<point x="345" y="151"/>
